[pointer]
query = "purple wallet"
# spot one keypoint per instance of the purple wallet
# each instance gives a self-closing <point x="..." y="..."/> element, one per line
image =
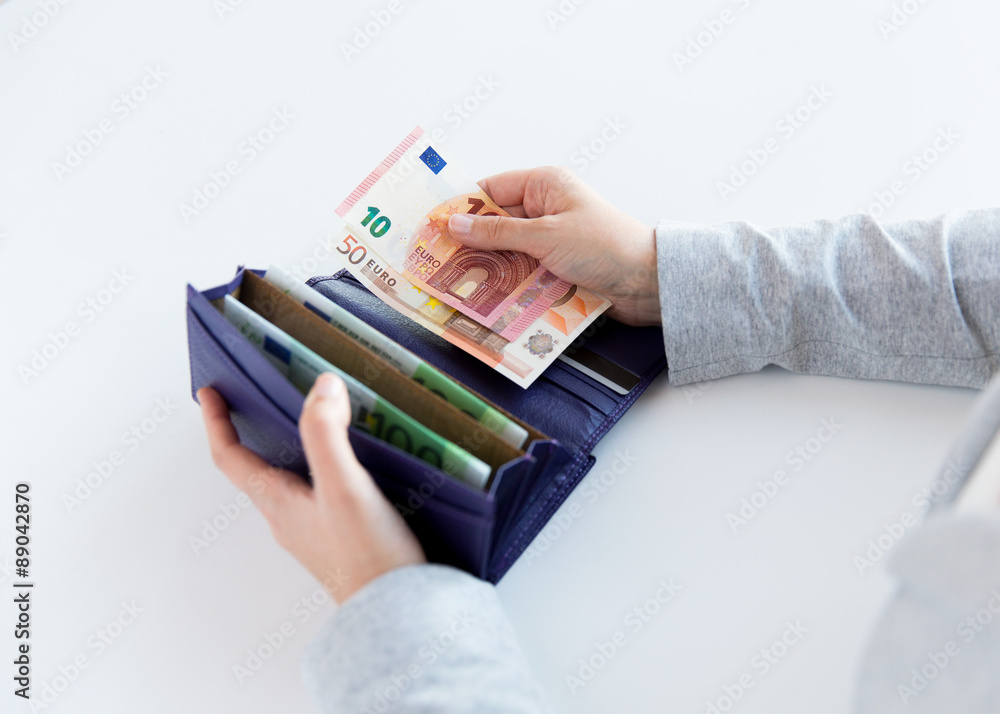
<point x="482" y="532"/>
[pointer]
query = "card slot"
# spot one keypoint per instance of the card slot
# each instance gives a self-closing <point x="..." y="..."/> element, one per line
<point x="603" y="371"/>
<point x="634" y="349"/>
<point x="602" y="389"/>
<point x="596" y="395"/>
<point x="371" y="370"/>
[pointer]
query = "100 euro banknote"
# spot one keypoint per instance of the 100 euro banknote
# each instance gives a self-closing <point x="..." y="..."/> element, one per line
<point x="522" y="360"/>
<point x="402" y="210"/>
<point x="369" y="411"/>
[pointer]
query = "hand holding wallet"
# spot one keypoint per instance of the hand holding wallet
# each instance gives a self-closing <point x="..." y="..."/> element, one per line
<point x="565" y="413"/>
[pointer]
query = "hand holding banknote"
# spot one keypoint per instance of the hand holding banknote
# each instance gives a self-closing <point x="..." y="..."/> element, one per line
<point x="575" y="233"/>
<point x="342" y="529"/>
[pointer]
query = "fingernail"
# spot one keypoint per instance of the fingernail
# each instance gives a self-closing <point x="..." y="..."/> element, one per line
<point x="460" y="224"/>
<point x="326" y="385"/>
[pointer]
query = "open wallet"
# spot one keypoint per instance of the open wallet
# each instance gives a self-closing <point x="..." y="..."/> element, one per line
<point x="480" y="530"/>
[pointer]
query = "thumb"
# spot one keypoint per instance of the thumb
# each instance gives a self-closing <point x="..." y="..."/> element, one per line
<point x="493" y="232"/>
<point x="326" y="415"/>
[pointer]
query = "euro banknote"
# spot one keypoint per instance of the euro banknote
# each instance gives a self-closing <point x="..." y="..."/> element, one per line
<point x="399" y="357"/>
<point x="522" y="360"/>
<point x="369" y="411"/>
<point x="402" y="210"/>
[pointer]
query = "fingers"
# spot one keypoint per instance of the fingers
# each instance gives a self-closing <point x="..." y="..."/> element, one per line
<point x="496" y="232"/>
<point x="323" y="426"/>
<point x="232" y="458"/>
<point x="271" y="489"/>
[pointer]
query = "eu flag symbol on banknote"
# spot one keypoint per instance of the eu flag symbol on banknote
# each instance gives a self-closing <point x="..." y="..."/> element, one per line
<point x="433" y="160"/>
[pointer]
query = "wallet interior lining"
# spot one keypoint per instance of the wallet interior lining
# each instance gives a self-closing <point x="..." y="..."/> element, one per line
<point x="373" y="371"/>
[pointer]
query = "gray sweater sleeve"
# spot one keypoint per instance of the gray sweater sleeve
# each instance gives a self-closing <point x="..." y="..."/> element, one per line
<point x="913" y="301"/>
<point x="423" y="638"/>
<point x="916" y="301"/>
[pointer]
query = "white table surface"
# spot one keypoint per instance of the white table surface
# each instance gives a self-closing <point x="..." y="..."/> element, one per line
<point x="698" y="450"/>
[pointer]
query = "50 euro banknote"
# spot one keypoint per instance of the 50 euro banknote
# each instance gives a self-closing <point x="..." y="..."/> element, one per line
<point x="402" y="210"/>
<point x="522" y="360"/>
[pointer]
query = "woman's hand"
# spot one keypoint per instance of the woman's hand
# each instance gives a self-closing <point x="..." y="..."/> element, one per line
<point x="342" y="523"/>
<point x="575" y="233"/>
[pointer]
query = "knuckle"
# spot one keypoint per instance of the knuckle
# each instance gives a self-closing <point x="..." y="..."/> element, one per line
<point x="545" y="227"/>
<point x="556" y="184"/>
<point x="559" y="175"/>
<point x="331" y="412"/>
<point x="314" y="422"/>
<point x="494" y="229"/>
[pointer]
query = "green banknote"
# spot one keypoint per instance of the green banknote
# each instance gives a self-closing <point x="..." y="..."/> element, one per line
<point x="399" y="357"/>
<point x="369" y="411"/>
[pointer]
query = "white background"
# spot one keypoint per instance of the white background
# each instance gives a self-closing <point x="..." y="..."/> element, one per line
<point x="699" y="450"/>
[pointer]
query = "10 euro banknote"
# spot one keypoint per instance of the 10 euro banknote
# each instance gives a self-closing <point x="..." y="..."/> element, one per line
<point x="402" y="209"/>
